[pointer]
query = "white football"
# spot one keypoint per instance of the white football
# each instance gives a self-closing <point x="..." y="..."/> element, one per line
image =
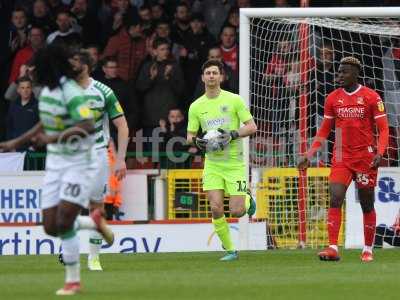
<point x="212" y="134"/>
<point x="211" y="137"/>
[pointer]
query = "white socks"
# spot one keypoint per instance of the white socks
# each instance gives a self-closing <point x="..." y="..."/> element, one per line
<point x="70" y="246"/>
<point x="95" y="241"/>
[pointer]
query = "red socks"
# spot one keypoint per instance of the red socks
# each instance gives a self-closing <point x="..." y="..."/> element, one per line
<point x="334" y="222"/>
<point x="369" y="227"/>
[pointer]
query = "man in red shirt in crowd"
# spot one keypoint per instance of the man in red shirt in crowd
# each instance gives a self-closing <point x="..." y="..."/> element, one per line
<point x="353" y="110"/>
<point x="36" y="41"/>
<point x="229" y="47"/>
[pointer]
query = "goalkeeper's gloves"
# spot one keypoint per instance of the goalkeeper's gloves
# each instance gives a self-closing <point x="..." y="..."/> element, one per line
<point x="200" y="143"/>
<point x="227" y="136"/>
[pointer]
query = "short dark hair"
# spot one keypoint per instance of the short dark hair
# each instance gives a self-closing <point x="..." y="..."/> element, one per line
<point x="211" y="63"/>
<point x="160" y="41"/>
<point x="23" y="79"/>
<point x="85" y="58"/>
<point x="108" y="59"/>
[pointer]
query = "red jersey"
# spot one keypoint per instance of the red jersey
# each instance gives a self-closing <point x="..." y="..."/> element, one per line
<point x="230" y="57"/>
<point x="355" y="114"/>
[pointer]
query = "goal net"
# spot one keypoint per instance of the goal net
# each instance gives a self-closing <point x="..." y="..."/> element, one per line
<point x="291" y="61"/>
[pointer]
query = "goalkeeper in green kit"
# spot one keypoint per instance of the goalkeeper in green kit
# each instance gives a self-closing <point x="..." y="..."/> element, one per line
<point x="218" y="114"/>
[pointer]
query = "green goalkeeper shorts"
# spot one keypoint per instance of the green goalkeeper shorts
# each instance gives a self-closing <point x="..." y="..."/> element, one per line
<point x="232" y="180"/>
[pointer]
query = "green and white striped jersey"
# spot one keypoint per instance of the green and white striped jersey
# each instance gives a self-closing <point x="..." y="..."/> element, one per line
<point x="62" y="108"/>
<point x="105" y="107"/>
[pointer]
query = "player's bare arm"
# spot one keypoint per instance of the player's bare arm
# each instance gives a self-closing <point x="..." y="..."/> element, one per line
<point x="13" y="144"/>
<point x="249" y="129"/>
<point x="321" y="136"/>
<point x="123" y="138"/>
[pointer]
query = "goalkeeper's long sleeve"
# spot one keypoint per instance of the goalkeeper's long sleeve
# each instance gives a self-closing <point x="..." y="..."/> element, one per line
<point x="383" y="130"/>
<point x="321" y="136"/>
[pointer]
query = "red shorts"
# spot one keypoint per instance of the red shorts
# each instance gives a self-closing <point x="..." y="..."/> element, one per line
<point x="357" y="169"/>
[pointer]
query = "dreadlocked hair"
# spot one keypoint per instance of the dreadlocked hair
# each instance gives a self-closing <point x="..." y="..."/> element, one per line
<point x="51" y="64"/>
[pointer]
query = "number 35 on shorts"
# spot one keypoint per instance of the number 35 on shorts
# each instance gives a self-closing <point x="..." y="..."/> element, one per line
<point x="362" y="178"/>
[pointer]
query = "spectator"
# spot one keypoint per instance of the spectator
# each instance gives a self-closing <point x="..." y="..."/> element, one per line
<point x="157" y="12"/>
<point x="146" y="19"/>
<point x="23" y="114"/>
<point x="86" y="21"/>
<point x="36" y="41"/>
<point x="41" y="17"/>
<point x="57" y="6"/>
<point x="243" y="3"/>
<point x="391" y="92"/>
<point x="121" y="90"/>
<point x="233" y="20"/>
<point x="229" y="84"/>
<point x="215" y="12"/>
<point x="180" y="27"/>
<point x="162" y="29"/>
<point x="194" y="52"/>
<point x="173" y="132"/>
<point x="229" y="48"/>
<point x="65" y="34"/>
<point x="11" y="93"/>
<point x="277" y="93"/>
<point x="97" y="72"/>
<point x="129" y="47"/>
<point x="161" y="82"/>
<point x="18" y="38"/>
<point x="122" y="13"/>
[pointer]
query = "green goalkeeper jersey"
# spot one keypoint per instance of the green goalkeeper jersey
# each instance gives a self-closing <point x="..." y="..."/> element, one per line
<point x="227" y="111"/>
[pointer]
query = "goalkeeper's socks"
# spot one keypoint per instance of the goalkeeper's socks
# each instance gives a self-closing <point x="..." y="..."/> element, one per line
<point x="222" y="229"/>
<point x="334" y="221"/>
<point x="247" y="202"/>
<point x="369" y="227"/>
<point x="95" y="241"/>
<point x="70" y="246"/>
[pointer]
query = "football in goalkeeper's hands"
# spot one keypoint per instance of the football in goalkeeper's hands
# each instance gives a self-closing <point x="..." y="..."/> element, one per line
<point x="213" y="142"/>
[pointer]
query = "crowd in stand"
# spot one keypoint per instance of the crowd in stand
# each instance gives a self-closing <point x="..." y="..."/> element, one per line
<point x="149" y="52"/>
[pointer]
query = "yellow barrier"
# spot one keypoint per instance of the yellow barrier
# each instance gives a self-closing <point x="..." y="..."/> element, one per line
<point x="187" y="185"/>
<point x="277" y="203"/>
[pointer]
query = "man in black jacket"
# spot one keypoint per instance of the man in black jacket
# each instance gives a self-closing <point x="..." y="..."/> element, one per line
<point x="23" y="113"/>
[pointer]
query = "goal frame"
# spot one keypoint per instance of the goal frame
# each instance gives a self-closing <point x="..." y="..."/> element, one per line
<point x="244" y="67"/>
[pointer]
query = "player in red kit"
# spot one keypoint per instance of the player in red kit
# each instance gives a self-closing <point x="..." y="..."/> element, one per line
<point x="354" y="110"/>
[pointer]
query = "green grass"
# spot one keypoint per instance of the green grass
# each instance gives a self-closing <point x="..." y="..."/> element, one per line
<point x="277" y="274"/>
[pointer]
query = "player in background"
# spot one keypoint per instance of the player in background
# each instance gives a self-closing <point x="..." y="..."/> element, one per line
<point x="224" y="170"/>
<point x="354" y="110"/>
<point x="105" y="107"/>
<point x="67" y="128"/>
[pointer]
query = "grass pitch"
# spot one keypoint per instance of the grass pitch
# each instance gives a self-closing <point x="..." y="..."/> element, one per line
<point x="278" y="274"/>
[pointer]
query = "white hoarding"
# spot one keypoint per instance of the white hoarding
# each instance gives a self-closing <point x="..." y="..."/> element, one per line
<point x="387" y="204"/>
<point x="20" y="197"/>
<point x="141" y="238"/>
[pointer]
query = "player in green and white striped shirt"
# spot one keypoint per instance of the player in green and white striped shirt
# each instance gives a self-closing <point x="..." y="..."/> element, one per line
<point x="105" y="107"/>
<point x="66" y="126"/>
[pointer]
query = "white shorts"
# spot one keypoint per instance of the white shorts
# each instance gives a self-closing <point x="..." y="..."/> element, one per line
<point x="101" y="178"/>
<point x="69" y="178"/>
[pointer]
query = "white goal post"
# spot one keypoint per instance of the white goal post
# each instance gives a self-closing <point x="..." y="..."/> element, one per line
<point x="346" y="31"/>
